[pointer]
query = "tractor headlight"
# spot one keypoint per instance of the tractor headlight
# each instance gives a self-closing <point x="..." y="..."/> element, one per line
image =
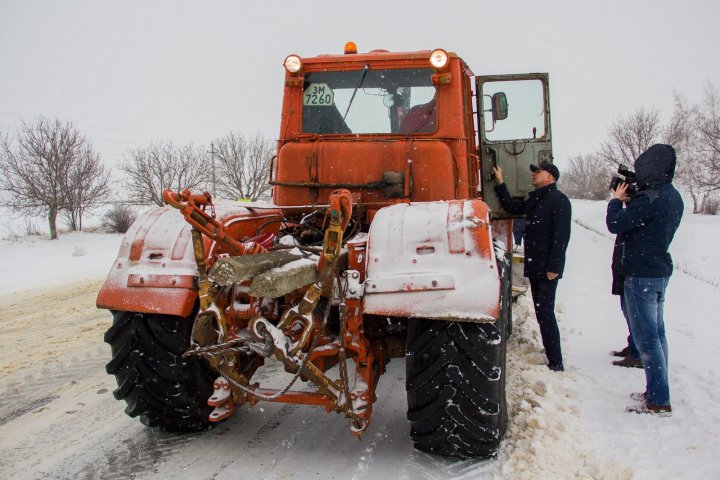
<point x="293" y="64"/>
<point x="438" y="58"/>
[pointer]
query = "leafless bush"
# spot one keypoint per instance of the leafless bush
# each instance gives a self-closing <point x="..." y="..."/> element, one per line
<point x="158" y="167"/>
<point x="119" y="218"/>
<point x="710" y="205"/>
<point x="586" y="177"/>
<point x="32" y="228"/>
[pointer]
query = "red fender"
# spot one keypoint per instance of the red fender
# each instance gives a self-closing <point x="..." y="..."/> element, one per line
<point x="433" y="260"/>
<point x="155" y="270"/>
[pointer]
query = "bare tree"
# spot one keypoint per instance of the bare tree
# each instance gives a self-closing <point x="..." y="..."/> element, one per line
<point x="629" y="136"/>
<point x="37" y="167"/>
<point x="243" y="165"/>
<point x="87" y="186"/>
<point x="681" y="134"/>
<point x="694" y="130"/>
<point x="708" y="133"/>
<point x="586" y="177"/>
<point x="153" y="169"/>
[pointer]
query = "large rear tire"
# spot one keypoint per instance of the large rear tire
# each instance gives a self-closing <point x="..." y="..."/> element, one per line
<point x="456" y="387"/>
<point x="162" y="388"/>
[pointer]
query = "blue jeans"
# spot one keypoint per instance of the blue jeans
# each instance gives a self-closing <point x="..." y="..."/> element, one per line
<point x="644" y="300"/>
<point x="631" y="343"/>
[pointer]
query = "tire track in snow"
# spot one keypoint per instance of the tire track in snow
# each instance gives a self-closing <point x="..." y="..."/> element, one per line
<point x="26" y="388"/>
<point x="420" y="465"/>
<point x="272" y="423"/>
<point x="135" y="456"/>
<point x="166" y="448"/>
<point x="26" y="408"/>
<point x="83" y="433"/>
<point x="54" y="339"/>
<point x="50" y="360"/>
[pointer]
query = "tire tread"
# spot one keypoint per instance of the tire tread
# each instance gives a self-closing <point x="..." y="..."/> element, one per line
<point x="158" y="385"/>
<point x="455" y="386"/>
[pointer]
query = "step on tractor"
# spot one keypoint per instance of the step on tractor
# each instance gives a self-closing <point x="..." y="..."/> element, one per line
<point x="384" y="239"/>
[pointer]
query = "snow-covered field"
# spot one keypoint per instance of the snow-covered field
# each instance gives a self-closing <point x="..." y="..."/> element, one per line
<point x="35" y="262"/>
<point x="58" y="418"/>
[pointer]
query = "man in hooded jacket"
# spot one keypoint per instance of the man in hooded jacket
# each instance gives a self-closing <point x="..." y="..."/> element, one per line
<point x="547" y="234"/>
<point x="648" y="223"/>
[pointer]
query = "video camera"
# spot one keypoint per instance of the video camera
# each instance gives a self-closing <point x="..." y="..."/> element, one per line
<point x="624" y="175"/>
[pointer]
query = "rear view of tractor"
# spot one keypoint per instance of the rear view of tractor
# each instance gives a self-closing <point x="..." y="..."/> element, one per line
<point x="378" y="245"/>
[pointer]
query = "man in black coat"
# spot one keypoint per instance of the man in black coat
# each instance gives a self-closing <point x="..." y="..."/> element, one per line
<point x="547" y="234"/>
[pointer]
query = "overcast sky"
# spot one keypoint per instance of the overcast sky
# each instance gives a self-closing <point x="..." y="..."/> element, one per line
<point x="128" y="72"/>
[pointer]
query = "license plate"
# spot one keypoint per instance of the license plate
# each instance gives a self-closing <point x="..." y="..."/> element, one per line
<point x="318" y="95"/>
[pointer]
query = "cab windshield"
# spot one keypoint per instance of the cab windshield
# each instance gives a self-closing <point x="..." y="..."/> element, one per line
<point x="369" y="101"/>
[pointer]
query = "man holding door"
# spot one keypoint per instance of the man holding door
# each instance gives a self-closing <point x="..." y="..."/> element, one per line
<point x="547" y="234"/>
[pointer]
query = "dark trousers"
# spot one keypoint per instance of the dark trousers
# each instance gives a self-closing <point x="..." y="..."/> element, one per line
<point x="543" y="293"/>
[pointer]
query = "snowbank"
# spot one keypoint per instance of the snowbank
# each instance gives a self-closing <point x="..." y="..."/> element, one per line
<point x="35" y="262"/>
<point x="546" y="436"/>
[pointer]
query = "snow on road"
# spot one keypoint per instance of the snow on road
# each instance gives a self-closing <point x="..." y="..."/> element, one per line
<point x="58" y="418"/>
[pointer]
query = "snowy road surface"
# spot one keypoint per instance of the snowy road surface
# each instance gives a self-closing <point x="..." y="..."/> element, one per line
<point x="58" y="418"/>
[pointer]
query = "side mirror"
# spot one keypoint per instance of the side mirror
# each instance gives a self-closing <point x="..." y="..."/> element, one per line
<point x="499" y="106"/>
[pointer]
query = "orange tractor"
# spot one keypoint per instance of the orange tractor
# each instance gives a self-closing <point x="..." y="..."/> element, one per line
<point x="378" y="245"/>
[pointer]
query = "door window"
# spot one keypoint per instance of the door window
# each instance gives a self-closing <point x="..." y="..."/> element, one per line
<point x="525" y="103"/>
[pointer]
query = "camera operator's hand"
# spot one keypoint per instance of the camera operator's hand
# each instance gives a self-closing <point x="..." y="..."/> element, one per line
<point x="621" y="193"/>
<point x="498" y="175"/>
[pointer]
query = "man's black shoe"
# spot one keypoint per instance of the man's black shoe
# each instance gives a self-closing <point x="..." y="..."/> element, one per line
<point x="556" y="367"/>
<point x="629" y="362"/>
<point x="621" y="353"/>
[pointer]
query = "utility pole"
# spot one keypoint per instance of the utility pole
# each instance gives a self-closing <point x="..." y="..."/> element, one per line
<point x="212" y="167"/>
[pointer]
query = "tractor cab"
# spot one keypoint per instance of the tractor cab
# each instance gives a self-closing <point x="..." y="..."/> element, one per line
<point x="404" y="127"/>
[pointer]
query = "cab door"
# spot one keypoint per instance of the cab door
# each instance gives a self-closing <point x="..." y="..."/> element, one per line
<point x="514" y="132"/>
